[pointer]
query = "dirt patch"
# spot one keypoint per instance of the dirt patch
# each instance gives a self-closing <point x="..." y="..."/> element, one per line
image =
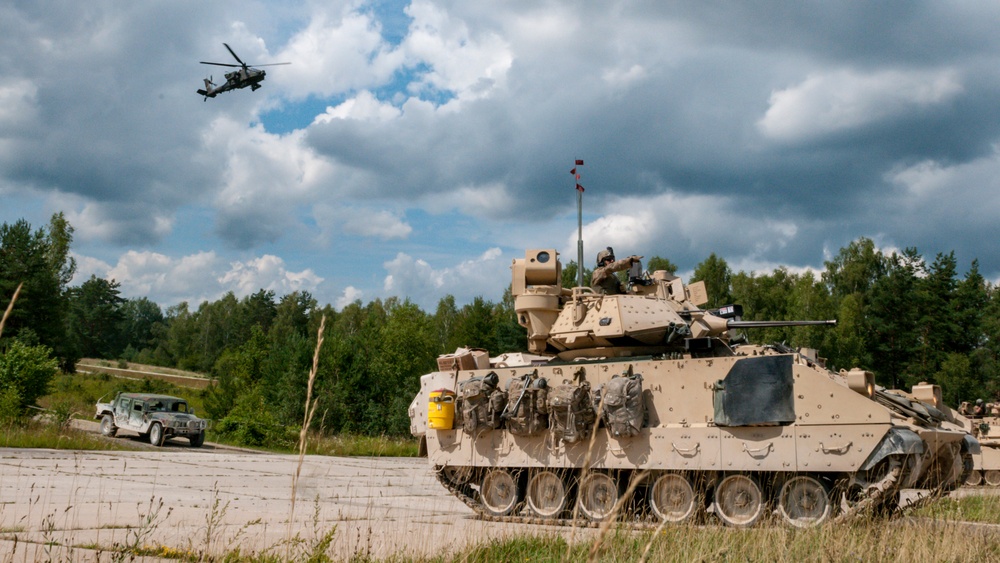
<point x="191" y="382"/>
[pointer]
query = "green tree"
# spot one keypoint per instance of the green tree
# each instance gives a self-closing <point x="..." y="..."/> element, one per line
<point x="855" y="269"/>
<point x="657" y="263"/>
<point x="891" y="318"/>
<point x="141" y="326"/>
<point x="39" y="260"/>
<point x="715" y="272"/>
<point x="95" y="318"/>
<point x="445" y="319"/>
<point x="937" y="325"/>
<point x="568" y="278"/>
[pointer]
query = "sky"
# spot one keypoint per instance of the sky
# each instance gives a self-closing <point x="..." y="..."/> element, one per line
<point x="415" y="148"/>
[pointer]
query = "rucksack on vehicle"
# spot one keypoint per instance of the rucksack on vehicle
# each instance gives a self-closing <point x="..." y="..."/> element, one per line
<point x="571" y="411"/>
<point x="623" y="410"/>
<point x="526" y="409"/>
<point x="477" y="409"/>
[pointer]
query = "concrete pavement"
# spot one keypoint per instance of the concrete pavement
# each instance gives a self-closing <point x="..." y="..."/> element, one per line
<point x="74" y="505"/>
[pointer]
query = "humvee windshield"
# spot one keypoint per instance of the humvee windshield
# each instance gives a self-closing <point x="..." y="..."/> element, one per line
<point x="161" y="405"/>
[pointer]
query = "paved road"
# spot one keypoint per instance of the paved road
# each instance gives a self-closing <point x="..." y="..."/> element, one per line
<point x="216" y="501"/>
<point x="57" y="505"/>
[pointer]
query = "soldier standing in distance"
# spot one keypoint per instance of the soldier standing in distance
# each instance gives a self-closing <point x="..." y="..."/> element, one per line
<point x="604" y="279"/>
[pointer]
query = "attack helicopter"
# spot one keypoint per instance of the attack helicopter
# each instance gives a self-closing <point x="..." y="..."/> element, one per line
<point x="245" y="76"/>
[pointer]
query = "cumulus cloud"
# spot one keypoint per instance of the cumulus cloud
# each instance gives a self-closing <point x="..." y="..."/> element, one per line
<point x="362" y="221"/>
<point x="470" y="65"/>
<point x="685" y="227"/>
<point x="841" y="100"/>
<point x="416" y="135"/>
<point x="161" y="278"/>
<point x="487" y="274"/>
<point x="267" y="272"/>
<point x="349" y="295"/>
<point x="338" y="51"/>
<point x="363" y="107"/>
<point x="266" y="177"/>
<point x="196" y="277"/>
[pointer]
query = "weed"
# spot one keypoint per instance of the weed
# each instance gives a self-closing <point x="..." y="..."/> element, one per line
<point x="135" y="538"/>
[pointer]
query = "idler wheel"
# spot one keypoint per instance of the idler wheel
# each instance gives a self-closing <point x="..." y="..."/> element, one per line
<point x="975" y="479"/>
<point x="672" y="498"/>
<point x="804" y="502"/>
<point x="499" y="492"/>
<point x="547" y="494"/>
<point x="598" y="495"/>
<point x="992" y="477"/>
<point x="739" y="501"/>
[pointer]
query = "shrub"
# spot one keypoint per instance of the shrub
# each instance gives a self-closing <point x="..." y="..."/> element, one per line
<point x="252" y="422"/>
<point x="25" y="373"/>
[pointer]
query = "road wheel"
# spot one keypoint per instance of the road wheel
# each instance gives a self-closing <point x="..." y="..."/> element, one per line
<point x="672" y="498"/>
<point x="599" y="493"/>
<point x="804" y="502"/>
<point x="108" y="427"/>
<point x="739" y="501"/>
<point x="197" y="439"/>
<point x="992" y="477"/>
<point x="547" y="494"/>
<point x="156" y="434"/>
<point x="500" y="492"/>
<point x="975" y="479"/>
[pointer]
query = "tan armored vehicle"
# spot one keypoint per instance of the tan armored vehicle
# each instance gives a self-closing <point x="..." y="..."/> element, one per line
<point x="983" y="421"/>
<point x="641" y="406"/>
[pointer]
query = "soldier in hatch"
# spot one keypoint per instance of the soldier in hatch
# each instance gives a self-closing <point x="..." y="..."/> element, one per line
<point x="604" y="279"/>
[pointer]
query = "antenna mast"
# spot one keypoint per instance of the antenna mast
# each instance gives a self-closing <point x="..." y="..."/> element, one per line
<point x="579" y="224"/>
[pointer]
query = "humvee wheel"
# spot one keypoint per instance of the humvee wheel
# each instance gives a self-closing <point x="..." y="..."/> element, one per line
<point x="598" y="495"/>
<point x="457" y="474"/>
<point x="499" y="492"/>
<point x="547" y="494"/>
<point x="992" y="477"/>
<point x="672" y="498"/>
<point x="739" y="501"/>
<point x="804" y="502"/>
<point x="975" y="479"/>
<point x="108" y="426"/>
<point x="197" y="439"/>
<point x="156" y="434"/>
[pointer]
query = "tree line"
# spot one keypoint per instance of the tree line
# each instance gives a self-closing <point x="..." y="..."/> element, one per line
<point x="899" y="316"/>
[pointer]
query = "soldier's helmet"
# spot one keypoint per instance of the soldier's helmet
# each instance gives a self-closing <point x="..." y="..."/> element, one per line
<point x="604" y="255"/>
<point x="979" y="402"/>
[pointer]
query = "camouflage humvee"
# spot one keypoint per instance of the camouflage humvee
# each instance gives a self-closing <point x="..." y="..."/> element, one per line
<point x="158" y="417"/>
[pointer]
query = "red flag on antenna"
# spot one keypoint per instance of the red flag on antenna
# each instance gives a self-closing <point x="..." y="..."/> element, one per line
<point x="573" y="171"/>
<point x="579" y="188"/>
<point x="579" y="163"/>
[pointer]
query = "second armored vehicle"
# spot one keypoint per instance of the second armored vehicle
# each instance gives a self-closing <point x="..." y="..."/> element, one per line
<point x="646" y="396"/>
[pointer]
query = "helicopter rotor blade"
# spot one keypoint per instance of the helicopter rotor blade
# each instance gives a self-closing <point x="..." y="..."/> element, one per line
<point x="219" y="64"/>
<point x="271" y="64"/>
<point x="231" y="52"/>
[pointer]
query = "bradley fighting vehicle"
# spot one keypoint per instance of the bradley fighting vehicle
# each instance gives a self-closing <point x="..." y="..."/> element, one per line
<point x="983" y="421"/>
<point x="642" y="406"/>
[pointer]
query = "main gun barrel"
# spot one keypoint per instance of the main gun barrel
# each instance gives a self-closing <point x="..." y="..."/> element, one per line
<point x="770" y="324"/>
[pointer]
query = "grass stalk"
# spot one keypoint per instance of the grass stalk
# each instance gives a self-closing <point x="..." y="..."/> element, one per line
<point x="310" y="410"/>
<point x="10" y="307"/>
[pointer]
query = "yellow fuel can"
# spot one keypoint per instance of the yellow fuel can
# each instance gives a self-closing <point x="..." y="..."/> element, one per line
<point x="441" y="409"/>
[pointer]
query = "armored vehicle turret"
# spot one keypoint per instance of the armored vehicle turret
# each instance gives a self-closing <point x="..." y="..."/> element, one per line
<point x="642" y="406"/>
